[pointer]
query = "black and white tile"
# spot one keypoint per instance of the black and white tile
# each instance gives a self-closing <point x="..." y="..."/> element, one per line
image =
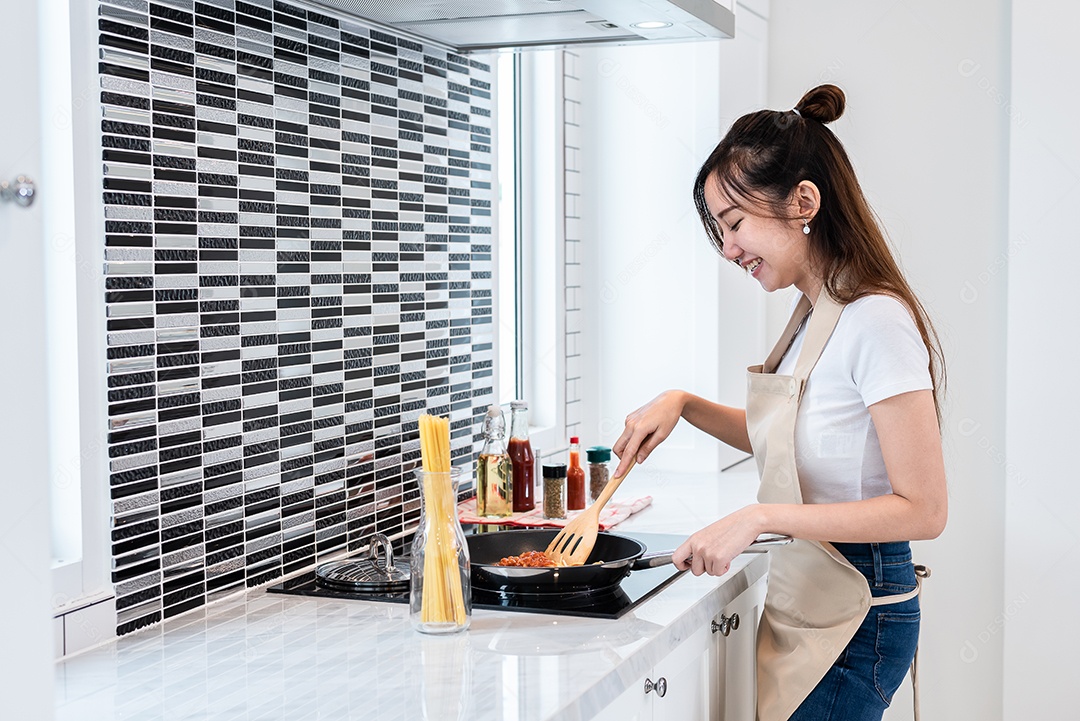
<point x="297" y="265"/>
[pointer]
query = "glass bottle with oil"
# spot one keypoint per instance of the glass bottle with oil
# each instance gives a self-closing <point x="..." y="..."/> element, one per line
<point x="494" y="490"/>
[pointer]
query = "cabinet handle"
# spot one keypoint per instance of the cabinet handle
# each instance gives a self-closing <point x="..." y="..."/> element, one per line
<point x="726" y="625"/>
<point x="660" y="686"/>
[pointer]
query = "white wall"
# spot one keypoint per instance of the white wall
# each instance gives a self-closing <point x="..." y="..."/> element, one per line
<point x="929" y="142"/>
<point x="1042" y="529"/>
<point x="662" y="308"/>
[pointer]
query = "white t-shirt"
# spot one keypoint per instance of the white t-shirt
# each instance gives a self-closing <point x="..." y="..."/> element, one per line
<point x="875" y="353"/>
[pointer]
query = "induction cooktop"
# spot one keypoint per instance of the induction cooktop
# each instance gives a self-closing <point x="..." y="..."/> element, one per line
<point x="632" y="591"/>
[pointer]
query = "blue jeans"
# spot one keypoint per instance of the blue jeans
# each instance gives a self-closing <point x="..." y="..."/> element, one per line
<point x="861" y="683"/>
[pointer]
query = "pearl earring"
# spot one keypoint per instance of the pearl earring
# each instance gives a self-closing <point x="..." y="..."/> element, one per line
<point x="805" y="226"/>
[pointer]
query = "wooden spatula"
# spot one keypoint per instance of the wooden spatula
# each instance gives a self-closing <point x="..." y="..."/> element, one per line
<point x="576" y="540"/>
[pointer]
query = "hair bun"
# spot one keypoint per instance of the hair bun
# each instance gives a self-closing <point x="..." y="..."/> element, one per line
<point x="825" y="103"/>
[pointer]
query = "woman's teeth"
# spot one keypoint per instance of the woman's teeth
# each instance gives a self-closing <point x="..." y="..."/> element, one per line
<point x="753" y="265"/>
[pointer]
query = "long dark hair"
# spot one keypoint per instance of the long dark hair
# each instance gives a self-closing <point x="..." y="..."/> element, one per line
<point x="761" y="160"/>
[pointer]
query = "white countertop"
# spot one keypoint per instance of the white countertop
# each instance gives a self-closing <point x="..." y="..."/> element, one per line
<point x="260" y="655"/>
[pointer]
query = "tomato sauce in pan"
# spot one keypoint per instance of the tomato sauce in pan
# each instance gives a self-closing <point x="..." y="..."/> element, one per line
<point x="529" y="559"/>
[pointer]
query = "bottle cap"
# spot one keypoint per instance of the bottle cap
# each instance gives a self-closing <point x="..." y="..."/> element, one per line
<point x="494" y="411"/>
<point x="574" y="439"/>
<point x="598" y="454"/>
<point x="514" y="405"/>
<point x="554" y="470"/>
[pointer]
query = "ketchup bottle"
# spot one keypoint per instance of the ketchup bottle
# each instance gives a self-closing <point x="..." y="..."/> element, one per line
<point x="575" y="478"/>
<point x="522" y="460"/>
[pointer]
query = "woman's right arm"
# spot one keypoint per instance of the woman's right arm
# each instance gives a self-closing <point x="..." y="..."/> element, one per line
<point x="649" y="425"/>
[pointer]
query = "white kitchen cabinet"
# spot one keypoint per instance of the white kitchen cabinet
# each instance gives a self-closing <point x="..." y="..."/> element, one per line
<point x="710" y="675"/>
<point x="679" y="687"/>
<point x="736" y="654"/>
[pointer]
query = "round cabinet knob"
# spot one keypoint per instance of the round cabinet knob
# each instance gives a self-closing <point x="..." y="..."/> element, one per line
<point x="726" y="624"/>
<point x="660" y="686"/>
<point x="21" y="191"/>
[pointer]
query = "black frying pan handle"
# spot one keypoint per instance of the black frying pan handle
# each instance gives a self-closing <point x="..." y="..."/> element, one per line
<point x="662" y="558"/>
<point x="652" y="560"/>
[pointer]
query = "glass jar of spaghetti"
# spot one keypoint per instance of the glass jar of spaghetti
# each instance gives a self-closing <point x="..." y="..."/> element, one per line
<point x="440" y="592"/>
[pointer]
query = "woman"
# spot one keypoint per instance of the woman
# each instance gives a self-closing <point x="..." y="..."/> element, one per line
<point x="861" y="472"/>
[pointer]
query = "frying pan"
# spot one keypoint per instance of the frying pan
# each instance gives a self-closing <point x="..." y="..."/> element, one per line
<point x="618" y="555"/>
<point x="612" y="559"/>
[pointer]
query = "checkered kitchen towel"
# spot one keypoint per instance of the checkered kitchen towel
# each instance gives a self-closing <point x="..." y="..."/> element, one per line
<point x="614" y="512"/>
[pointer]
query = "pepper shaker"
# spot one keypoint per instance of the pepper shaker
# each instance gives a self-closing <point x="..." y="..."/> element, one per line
<point x="598" y="457"/>
<point x="555" y="490"/>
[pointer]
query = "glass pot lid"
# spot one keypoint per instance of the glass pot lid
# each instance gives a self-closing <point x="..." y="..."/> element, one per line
<point x="376" y="572"/>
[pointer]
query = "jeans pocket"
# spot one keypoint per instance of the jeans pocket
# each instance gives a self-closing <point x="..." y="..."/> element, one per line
<point x="897" y="639"/>
<point x="891" y="589"/>
<point x="894" y="578"/>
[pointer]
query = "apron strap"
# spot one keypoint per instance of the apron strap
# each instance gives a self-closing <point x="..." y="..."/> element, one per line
<point x="798" y="316"/>
<point x="915" y="681"/>
<point x="818" y="331"/>
<point x="921" y="572"/>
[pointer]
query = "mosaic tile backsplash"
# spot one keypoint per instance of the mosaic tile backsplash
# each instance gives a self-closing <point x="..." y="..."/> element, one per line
<point x="297" y="265"/>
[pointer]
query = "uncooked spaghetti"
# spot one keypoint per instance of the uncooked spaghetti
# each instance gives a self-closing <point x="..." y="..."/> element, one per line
<point x="442" y="600"/>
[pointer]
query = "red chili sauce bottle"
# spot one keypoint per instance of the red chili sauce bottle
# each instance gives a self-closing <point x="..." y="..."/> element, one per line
<point x="575" y="478"/>
<point x="522" y="460"/>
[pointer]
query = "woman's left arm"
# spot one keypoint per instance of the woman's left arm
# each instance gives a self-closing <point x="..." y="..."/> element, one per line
<point x="917" y="508"/>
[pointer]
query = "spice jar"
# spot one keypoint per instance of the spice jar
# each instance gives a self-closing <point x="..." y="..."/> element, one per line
<point x="555" y="490"/>
<point x="598" y="457"/>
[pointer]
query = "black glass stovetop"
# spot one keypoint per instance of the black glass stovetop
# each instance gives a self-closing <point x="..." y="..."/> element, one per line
<point x="633" y="590"/>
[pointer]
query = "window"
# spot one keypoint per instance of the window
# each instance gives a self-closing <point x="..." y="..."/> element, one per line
<point x="74" y="316"/>
<point x="507" y="267"/>
<point x="530" y="298"/>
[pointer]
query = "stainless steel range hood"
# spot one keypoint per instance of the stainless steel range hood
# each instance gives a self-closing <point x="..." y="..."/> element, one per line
<point x="476" y="25"/>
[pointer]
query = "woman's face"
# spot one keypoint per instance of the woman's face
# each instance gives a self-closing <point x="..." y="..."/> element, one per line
<point x="774" y="251"/>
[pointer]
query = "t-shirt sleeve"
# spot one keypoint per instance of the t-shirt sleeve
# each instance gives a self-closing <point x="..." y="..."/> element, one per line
<point x="884" y="350"/>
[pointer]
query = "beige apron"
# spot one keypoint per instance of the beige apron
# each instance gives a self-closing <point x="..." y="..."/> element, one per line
<point x="816" y="599"/>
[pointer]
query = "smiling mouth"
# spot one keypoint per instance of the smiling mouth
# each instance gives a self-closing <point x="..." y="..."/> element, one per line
<point x="753" y="265"/>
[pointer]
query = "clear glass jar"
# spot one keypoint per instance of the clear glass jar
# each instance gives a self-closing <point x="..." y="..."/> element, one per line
<point x="440" y="592"/>
<point x="494" y="492"/>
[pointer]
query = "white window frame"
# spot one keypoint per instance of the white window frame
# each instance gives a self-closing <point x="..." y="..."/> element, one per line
<point x="82" y="579"/>
<point x="535" y="195"/>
